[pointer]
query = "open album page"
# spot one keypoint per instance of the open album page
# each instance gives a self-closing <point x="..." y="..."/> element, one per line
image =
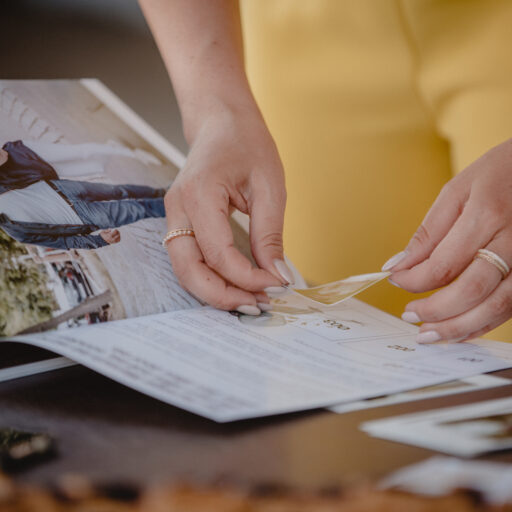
<point x="81" y="209"/>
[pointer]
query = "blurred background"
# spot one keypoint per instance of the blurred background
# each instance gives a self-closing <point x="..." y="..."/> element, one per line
<point x="101" y="39"/>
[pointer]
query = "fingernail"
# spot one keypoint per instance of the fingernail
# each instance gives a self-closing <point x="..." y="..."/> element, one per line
<point x="285" y="272"/>
<point x="394" y="260"/>
<point x="248" y="310"/>
<point x="428" y="337"/>
<point x="411" y="317"/>
<point x="275" y="290"/>
<point x="264" y="306"/>
<point x="390" y="281"/>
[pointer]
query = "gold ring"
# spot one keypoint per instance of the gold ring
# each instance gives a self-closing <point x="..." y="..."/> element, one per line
<point x="494" y="259"/>
<point x="176" y="233"/>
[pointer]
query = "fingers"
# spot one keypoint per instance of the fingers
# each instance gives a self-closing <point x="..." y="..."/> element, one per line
<point x="492" y="312"/>
<point x="473" y="210"/>
<point x="263" y="302"/>
<point x="209" y="219"/>
<point x="437" y="223"/>
<point x="475" y="284"/>
<point x="202" y="282"/>
<point x="451" y="255"/>
<point x="196" y="276"/>
<point x="266" y="231"/>
<point x="472" y="305"/>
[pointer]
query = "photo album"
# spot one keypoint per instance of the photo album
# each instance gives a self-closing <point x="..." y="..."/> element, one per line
<point x="84" y="279"/>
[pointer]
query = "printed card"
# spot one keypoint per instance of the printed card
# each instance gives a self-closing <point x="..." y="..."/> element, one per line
<point x="464" y="431"/>
<point x="333" y="293"/>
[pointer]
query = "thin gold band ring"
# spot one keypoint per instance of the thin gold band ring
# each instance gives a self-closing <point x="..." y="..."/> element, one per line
<point x="494" y="259"/>
<point x="176" y="233"/>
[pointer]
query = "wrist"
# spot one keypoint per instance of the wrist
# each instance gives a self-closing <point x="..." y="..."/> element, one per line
<point x="214" y="107"/>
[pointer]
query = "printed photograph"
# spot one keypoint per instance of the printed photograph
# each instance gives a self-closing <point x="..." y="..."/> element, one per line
<point x="81" y="212"/>
<point x="338" y="291"/>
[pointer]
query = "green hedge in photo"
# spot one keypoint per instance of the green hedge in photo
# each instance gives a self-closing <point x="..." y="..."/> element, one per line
<point x="25" y="299"/>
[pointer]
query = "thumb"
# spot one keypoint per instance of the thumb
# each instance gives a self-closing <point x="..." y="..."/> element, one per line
<point x="435" y="226"/>
<point x="266" y="233"/>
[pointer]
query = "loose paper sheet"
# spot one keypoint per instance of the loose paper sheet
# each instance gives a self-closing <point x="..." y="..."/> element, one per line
<point x="465" y="431"/>
<point x="229" y="367"/>
<point x="439" y="476"/>
<point x="475" y="383"/>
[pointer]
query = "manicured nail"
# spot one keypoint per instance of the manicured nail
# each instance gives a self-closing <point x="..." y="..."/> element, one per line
<point x="428" y="337"/>
<point x="285" y="272"/>
<point x="390" y="281"/>
<point x="275" y="290"/>
<point x="249" y="310"/>
<point x="264" y="306"/>
<point x="411" y="317"/>
<point x="394" y="260"/>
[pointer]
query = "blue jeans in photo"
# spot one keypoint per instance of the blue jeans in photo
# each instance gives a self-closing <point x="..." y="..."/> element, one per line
<point x="111" y="206"/>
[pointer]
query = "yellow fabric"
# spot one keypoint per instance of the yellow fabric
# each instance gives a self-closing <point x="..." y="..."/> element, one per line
<point x="374" y="105"/>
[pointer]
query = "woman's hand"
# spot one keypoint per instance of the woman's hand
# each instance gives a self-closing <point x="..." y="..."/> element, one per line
<point x="472" y="212"/>
<point x="233" y="163"/>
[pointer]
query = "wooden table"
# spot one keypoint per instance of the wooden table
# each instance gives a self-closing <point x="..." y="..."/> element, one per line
<point x="111" y="433"/>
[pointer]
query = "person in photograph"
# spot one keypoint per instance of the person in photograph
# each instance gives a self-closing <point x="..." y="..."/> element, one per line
<point x="39" y="206"/>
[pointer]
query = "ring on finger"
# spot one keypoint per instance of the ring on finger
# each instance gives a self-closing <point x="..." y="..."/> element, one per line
<point x="494" y="259"/>
<point x="176" y="233"/>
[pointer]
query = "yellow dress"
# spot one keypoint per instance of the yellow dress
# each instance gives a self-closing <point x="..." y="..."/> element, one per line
<point x="374" y="105"/>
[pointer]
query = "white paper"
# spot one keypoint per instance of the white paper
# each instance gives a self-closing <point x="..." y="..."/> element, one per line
<point x="228" y="367"/>
<point x="28" y="369"/>
<point x="439" y="476"/>
<point x="476" y="383"/>
<point x="465" y="431"/>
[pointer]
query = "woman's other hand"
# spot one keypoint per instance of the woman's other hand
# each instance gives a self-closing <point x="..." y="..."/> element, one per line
<point x="472" y="212"/>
